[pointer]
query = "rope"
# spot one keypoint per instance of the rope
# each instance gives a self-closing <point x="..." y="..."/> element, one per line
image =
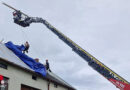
<point x="26" y="38"/>
<point x="23" y="35"/>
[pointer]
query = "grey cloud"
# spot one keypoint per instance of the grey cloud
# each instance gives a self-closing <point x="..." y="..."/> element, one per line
<point x="100" y="27"/>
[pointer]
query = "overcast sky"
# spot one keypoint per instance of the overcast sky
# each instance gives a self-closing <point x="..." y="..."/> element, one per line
<point x="101" y="27"/>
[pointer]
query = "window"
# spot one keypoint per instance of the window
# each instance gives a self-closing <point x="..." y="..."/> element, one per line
<point x="4" y="84"/>
<point x="24" y="87"/>
<point x="2" y="65"/>
<point x="34" y="77"/>
<point x="55" y="85"/>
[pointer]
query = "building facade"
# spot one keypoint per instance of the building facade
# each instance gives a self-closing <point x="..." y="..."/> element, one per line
<point x="18" y="76"/>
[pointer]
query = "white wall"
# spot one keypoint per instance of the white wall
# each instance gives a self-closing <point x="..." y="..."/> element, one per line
<point x="18" y="76"/>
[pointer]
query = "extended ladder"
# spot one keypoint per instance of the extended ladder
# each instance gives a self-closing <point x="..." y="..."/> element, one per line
<point x="109" y="74"/>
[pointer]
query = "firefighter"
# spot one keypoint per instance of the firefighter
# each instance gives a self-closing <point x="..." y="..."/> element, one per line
<point x="17" y="15"/>
<point x="26" y="45"/>
<point x="47" y="65"/>
<point x="19" y="19"/>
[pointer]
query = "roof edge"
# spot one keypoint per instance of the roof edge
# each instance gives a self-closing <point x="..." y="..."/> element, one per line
<point x="45" y="78"/>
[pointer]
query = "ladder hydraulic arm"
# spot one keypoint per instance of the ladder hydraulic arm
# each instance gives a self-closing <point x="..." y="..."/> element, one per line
<point x="102" y="69"/>
<point x="113" y="77"/>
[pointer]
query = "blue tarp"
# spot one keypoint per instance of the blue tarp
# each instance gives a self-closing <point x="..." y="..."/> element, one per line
<point x="17" y="50"/>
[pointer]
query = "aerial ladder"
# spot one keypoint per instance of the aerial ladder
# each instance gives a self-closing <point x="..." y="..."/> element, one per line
<point x="98" y="66"/>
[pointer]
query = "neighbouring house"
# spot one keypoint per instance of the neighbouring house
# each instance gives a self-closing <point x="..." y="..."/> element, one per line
<point x="18" y="76"/>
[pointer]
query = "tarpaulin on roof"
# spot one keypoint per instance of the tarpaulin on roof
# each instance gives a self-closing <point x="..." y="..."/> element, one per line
<point x="17" y="50"/>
